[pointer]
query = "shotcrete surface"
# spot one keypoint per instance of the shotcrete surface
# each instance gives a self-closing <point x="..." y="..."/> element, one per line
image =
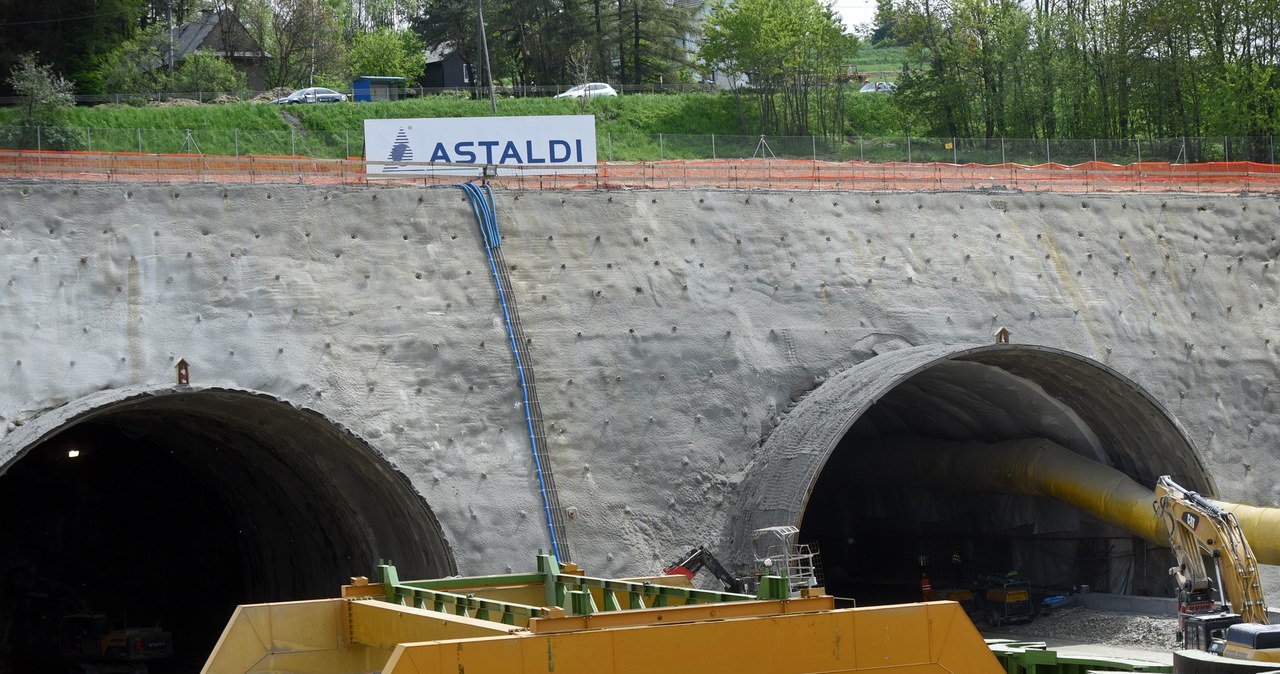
<point x="671" y="331"/>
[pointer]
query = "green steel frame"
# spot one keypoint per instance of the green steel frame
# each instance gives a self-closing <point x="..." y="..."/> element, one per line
<point x="570" y="592"/>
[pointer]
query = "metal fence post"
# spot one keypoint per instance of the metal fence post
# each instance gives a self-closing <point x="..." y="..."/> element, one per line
<point x="293" y="146"/>
<point x="347" y="133"/>
<point x="955" y="158"/>
<point x="713" y="146"/>
<point x="38" y="148"/>
<point x="908" y="149"/>
<point x="861" y="153"/>
<point x="610" y="151"/>
<point x="1139" y="143"/>
<point x="88" y="136"/>
<point x="237" y="141"/>
<point x="1095" y="150"/>
<point x="139" y="140"/>
<point x="1002" y="161"/>
<point x="1046" y="150"/>
<point x="1226" y="149"/>
<point x="815" y="146"/>
<point x="661" y="149"/>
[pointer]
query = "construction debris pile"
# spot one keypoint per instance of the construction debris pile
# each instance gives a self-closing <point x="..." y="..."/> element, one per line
<point x="1077" y="623"/>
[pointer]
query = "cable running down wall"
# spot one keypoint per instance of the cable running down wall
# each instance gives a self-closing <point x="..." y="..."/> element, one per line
<point x="482" y="206"/>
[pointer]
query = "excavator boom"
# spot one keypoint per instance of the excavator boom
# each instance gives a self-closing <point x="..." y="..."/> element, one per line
<point x="1198" y="531"/>
<point x="700" y="557"/>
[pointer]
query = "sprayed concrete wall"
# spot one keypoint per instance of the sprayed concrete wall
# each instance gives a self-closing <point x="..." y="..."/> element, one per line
<point x="671" y="332"/>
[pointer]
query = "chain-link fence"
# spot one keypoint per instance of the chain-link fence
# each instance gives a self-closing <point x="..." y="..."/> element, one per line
<point x="986" y="151"/>
<point x="218" y="142"/>
<point x="1232" y="177"/>
<point x="668" y="146"/>
<point x="391" y="93"/>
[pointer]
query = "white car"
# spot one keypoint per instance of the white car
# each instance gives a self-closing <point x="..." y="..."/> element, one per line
<point x="312" y="95"/>
<point x="878" y="88"/>
<point x="592" y="90"/>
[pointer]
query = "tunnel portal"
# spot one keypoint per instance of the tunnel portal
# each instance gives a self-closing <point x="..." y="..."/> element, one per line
<point x="833" y="467"/>
<point x="175" y="506"/>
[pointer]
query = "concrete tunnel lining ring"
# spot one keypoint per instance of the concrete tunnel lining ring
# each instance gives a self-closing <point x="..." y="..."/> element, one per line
<point x="372" y="504"/>
<point x="777" y="486"/>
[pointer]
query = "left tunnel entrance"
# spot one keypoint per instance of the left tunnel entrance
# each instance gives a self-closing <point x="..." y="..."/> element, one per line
<point x="174" y="506"/>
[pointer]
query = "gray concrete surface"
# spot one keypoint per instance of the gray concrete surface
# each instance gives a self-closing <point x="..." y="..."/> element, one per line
<point x="1105" y="601"/>
<point x="672" y="332"/>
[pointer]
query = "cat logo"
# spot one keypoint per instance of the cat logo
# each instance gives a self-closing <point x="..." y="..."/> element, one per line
<point x="1191" y="520"/>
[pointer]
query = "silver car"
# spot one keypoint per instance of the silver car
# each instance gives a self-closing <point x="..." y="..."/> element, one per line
<point x="312" y="95"/>
<point x="592" y="90"/>
<point x="878" y="88"/>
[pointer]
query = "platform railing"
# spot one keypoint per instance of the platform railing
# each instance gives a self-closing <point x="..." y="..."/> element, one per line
<point x="564" y="590"/>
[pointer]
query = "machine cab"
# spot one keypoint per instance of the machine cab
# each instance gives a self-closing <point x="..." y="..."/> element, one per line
<point x="1207" y="631"/>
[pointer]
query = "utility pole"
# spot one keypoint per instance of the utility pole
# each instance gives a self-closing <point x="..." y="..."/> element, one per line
<point x="169" y="7"/>
<point x="488" y="68"/>
<point x="311" y="77"/>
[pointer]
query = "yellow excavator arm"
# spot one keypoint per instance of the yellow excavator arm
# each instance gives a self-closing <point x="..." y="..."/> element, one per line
<point x="1201" y="534"/>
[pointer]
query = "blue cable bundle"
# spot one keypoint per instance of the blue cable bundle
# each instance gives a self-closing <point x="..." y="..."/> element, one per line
<point x="482" y="207"/>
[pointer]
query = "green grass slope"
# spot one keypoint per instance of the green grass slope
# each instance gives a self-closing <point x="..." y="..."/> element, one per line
<point x="631" y="127"/>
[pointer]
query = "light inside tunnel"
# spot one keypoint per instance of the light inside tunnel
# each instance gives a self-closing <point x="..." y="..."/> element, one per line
<point x="182" y="506"/>
<point x="883" y="520"/>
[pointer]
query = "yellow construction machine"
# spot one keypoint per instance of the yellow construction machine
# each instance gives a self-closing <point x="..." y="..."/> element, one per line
<point x="90" y="644"/>
<point x="1006" y="599"/>
<point x="557" y="619"/>
<point x="560" y="620"/>
<point x="1224" y="613"/>
<point x="1221" y="614"/>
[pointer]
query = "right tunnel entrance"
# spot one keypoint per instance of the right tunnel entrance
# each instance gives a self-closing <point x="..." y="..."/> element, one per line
<point x="967" y="464"/>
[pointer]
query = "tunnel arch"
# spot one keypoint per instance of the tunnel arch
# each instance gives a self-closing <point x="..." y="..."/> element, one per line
<point x="952" y="394"/>
<point x="185" y="502"/>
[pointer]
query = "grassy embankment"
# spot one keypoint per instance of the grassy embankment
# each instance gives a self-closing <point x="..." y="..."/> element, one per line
<point x="883" y="63"/>
<point x="632" y="127"/>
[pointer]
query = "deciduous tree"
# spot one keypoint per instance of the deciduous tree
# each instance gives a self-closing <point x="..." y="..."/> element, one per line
<point x="387" y="53"/>
<point x="204" y="72"/>
<point x="44" y="96"/>
<point x="791" y="51"/>
<point x="303" y="39"/>
<point x="136" y="66"/>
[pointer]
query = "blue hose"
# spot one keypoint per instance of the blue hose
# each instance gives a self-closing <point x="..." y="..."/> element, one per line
<point x="482" y="207"/>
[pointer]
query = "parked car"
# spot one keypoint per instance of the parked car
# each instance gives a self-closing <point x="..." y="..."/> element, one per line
<point x="878" y="88"/>
<point x="313" y="95"/>
<point x="592" y="90"/>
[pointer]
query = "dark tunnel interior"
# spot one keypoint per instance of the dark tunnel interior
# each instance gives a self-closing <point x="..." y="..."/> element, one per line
<point x="171" y="510"/>
<point x="880" y="535"/>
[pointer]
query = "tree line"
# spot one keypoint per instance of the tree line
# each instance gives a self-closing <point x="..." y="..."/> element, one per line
<point x="110" y="46"/>
<point x="790" y="52"/>
<point x="1109" y="69"/>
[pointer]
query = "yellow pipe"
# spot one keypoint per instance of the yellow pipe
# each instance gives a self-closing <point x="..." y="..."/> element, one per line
<point x="1040" y="467"/>
<point x="1259" y="525"/>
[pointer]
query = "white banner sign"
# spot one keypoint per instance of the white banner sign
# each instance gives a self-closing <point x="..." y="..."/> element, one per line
<point x="549" y="144"/>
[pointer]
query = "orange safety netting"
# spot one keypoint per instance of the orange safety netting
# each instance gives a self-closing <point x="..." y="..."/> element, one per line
<point x="744" y="174"/>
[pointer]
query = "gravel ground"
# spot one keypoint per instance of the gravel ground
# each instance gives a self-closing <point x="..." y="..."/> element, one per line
<point x="1080" y="624"/>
